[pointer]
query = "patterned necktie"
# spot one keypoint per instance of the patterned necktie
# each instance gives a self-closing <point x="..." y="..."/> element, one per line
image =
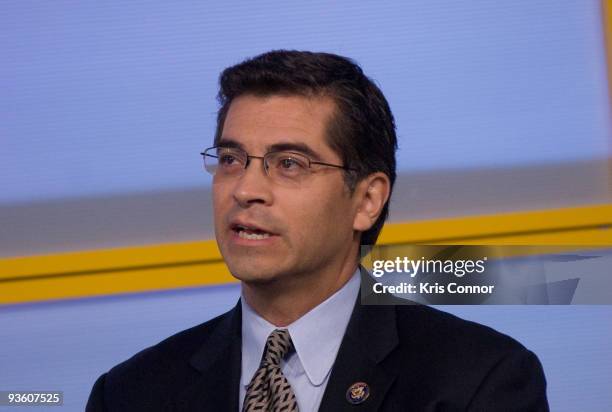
<point x="269" y="390"/>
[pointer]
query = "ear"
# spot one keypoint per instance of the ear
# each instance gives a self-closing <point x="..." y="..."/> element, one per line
<point x="370" y="197"/>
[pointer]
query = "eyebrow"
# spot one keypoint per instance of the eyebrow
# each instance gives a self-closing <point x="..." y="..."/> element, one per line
<point x="295" y="147"/>
<point x="282" y="146"/>
<point x="227" y="142"/>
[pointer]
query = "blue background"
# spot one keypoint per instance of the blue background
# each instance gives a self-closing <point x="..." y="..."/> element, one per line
<point x="106" y="97"/>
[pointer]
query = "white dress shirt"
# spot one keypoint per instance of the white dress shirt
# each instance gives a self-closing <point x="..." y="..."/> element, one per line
<point x="316" y="336"/>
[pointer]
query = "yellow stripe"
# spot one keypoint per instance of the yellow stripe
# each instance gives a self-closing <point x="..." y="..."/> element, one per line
<point x="558" y="226"/>
<point x="161" y="267"/>
<point x="111" y="259"/>
<point x="110" y="283"/>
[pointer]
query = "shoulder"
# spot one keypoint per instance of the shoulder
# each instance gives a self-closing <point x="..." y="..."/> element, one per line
<point x="170" y="352"/>
<point x="428" y="324"/>
<point x="461" y="359"/>
<point x="450" y="339"/>
<point x="148" y="377"/>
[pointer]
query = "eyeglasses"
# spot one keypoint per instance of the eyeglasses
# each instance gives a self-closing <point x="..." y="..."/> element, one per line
<point x="281" y="166"/>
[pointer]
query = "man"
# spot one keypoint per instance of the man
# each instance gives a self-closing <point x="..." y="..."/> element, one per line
<point x="304" y="165"/>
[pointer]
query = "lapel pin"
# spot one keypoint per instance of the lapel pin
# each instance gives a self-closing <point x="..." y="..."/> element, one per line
<point x="357" y="393"/>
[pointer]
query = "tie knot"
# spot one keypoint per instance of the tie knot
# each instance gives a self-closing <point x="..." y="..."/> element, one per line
<point x="278" y="345"/>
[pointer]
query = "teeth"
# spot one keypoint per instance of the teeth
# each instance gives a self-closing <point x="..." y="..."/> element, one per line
<point x="252" y="236"/>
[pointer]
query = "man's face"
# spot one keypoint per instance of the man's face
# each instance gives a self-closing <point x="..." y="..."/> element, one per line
<point x="308" y="229"/>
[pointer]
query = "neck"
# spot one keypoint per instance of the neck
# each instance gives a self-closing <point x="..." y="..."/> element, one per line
<point x="285" y="301"/>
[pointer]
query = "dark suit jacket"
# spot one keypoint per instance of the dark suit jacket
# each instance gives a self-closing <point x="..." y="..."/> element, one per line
<point x="414" y="358"/>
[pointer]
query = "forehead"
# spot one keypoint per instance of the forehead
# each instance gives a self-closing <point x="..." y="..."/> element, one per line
<point x="260" y="122"/>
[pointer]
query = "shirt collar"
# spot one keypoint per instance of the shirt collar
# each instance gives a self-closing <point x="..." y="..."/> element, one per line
<point x="316" y="335"/>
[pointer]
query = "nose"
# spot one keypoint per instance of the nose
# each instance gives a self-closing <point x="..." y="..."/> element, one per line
<point x="253" y="186"/>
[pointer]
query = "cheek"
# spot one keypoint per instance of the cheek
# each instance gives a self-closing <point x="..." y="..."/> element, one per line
<point x="219" y="203"/>
<point x="323" y="217"/>
<point x="216" y="201"/>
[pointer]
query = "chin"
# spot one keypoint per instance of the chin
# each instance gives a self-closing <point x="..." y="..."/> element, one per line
<point x="251" y="273"/>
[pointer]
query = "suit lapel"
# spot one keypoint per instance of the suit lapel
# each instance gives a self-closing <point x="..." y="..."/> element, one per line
<point x="366" y="355"/>
<point x="219" y="361"/>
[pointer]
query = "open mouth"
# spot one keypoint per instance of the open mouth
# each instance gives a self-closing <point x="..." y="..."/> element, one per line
<point x="249" y="233"/>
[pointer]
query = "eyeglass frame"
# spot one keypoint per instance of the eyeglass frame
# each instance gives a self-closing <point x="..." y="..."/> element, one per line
<point x="265" y="163"/>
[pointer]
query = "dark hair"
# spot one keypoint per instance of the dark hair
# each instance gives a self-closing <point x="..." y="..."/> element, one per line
<point x="362" y="130"/>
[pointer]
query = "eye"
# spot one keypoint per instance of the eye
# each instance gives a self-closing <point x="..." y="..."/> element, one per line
<point x="289" y="163"/>
<point x="230" y="159"/>
<point x="227" y="159"/>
